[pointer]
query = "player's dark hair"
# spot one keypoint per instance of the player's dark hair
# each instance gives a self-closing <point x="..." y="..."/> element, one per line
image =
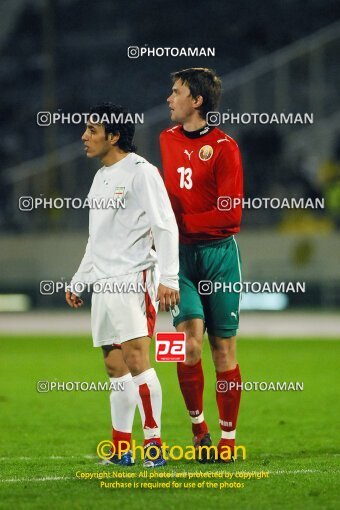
<point x="201" y="82"/>
<point x="121" y="124"/>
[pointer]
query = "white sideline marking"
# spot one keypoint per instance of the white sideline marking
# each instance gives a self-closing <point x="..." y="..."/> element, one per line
<point x="296" y="472"/>
<point x="52" y="457"/>
<point x="43" y="479"/>
<point x="266" y="325"/>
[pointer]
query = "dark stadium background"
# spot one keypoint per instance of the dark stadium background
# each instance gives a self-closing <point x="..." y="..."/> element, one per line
<point x="277" y="56"/>
<point x="274" y="56"/>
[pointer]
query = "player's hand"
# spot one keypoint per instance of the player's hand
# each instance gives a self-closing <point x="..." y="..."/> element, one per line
<point x="167" y="297"/>
<point x="72" y="300"/>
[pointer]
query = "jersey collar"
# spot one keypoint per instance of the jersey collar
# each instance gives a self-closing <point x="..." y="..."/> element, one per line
<point x="199" y="132"/>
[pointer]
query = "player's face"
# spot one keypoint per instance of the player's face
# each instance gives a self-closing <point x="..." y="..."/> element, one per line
<point x="95" y="143"/>
<point x="181" y="103"/>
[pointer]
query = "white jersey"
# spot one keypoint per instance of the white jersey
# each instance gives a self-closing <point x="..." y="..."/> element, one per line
<point x="121" y="238"/>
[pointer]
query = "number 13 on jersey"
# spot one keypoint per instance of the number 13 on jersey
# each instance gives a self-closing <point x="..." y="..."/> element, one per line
<point x="185" y="177"/>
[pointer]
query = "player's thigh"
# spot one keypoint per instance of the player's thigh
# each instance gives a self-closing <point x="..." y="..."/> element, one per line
<point x="221" y="264"/>
<point x="133" y="313"/>
<point x="190" y="306"/>
<point x="103" y="332"/>
<point x="114" y="362"/>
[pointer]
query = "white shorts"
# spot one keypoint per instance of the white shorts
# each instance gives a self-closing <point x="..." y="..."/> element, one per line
<point x="125" y="309"/>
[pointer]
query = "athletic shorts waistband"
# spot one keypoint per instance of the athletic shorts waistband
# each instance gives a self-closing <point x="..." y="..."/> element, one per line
<point x="204" y="244"/>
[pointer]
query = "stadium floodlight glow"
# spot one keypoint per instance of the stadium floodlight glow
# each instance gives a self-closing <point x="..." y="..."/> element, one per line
<point x="275" y="301"/>
<point x="14" y="303"/>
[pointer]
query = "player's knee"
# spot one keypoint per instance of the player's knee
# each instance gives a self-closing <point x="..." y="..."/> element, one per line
<point x="112" y="372"/>
<point x="221" y="356"/>
<point x="113" y="361"/>
<point x="224" y="354"/>
<point x="115" y="371"/>
<point x="134" y="360"/>
<point x="193" y="350"/>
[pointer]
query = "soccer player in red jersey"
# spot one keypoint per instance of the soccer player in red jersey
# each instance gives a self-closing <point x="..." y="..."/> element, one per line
<point x="203" y="176"/>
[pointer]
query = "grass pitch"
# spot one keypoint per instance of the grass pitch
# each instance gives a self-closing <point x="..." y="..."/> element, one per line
<point x="46" y="438"/>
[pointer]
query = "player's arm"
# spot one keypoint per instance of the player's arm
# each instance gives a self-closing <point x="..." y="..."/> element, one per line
<point x="152" y="195"/>
<point x="84" y="275"/>
<point x="229" y="183"/>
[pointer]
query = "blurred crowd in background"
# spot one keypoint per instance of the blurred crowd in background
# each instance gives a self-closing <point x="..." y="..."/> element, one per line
<point x="69" y="54"/>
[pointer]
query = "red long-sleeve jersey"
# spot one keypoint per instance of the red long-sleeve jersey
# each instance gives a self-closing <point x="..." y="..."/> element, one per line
<point x="199" y="168"/>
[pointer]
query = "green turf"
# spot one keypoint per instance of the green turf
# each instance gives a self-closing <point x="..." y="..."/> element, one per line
<point x="293" y="435"/>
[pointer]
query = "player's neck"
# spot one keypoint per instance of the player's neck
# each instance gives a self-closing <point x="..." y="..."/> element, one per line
<point x="113" y="157"/>
<point x="194" y="124"/>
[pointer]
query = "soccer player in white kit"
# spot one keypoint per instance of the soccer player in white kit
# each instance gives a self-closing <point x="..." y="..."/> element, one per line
<point x="119" y="254"/>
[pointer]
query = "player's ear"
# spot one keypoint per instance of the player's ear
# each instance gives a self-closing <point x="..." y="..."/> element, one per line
<point x="198" y="101"/>
<point x="113" y="138"/>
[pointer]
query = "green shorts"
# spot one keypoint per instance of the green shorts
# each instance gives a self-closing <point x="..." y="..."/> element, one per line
<point x="207" y="275"/>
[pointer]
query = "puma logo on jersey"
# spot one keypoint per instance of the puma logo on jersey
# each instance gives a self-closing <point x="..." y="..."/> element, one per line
<point x="233" y="314"/>
<point x="188" y="153"/>
<point x="171" y="130"/>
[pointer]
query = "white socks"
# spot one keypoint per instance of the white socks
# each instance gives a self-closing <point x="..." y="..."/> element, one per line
<point x="149" y="403"/>
<point x="123" y="403"/>
<point x="145" y="390"/>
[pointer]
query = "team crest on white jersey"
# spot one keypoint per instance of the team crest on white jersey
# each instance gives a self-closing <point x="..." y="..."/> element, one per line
<point x="119" y="192"/>
<point x="206" y="152"/>
<point x="188" y="153"/>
